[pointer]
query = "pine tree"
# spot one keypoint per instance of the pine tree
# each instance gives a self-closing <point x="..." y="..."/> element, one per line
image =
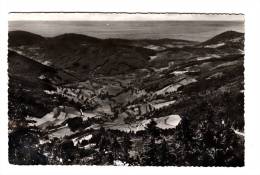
<point x="98" y="136"/>
<point x="150" y="154"/>
<point x="127" y="144"/>
<point x="110" y="159"/>
<point x="102" y="144"/>
<point x="152" y="129"/>
<point x="164" y="154"/>
<point x="115" y="147"/>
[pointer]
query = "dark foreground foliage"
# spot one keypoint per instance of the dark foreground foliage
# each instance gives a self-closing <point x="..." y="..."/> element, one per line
<point x="205" y="139"/>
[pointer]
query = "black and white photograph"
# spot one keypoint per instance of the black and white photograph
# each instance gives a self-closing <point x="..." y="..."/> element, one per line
<point x="126" y="89"/>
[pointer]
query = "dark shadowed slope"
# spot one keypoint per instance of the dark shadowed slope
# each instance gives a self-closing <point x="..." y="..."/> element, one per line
<point x="20" y="38"/>
<point x="26" y="68"/>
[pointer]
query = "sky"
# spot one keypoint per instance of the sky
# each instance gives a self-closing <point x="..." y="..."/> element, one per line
<point x="122" y="17"/>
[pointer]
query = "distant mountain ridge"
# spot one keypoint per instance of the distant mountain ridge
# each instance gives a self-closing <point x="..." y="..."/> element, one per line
<point x="83" y="55"/>
<point x="27" y="38"/>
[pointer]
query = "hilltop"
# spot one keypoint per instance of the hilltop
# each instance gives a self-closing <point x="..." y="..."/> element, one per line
<point x="23" y="38"/>
<point x="227" y="36"/>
